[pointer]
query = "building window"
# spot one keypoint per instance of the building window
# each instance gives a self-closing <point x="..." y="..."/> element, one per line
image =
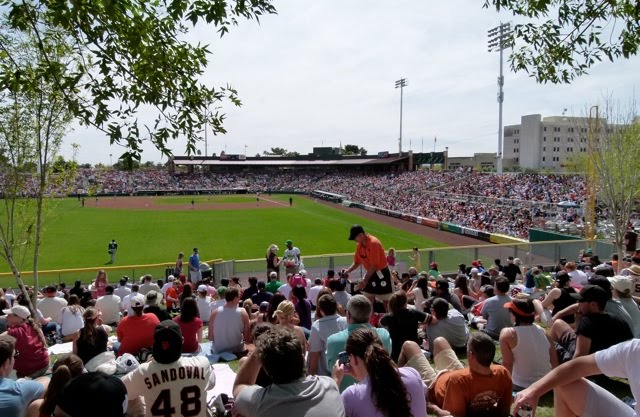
<point x="544" y="149"/>
<point x="545" y="128"/>
<point x="544" y="138"/>
<point x="543" y="159"/>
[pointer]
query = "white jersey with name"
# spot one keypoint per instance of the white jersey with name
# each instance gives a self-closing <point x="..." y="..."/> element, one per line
<point x="172" y="390"/>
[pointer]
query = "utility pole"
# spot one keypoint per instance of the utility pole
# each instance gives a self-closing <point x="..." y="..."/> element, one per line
<point x="401" y="83"/>
<point x="500" y="38"/>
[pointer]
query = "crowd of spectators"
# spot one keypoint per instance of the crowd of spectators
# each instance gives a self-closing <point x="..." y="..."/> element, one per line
<point x="507" y="203"/>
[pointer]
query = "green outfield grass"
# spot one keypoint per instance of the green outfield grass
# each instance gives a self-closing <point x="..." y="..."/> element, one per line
<point x="77" y="237"/>
<point x="218" y="199"/>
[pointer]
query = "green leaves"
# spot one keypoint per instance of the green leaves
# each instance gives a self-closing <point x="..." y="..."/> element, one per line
<point x="129" y="55"/>
<point x="580" y="34"/>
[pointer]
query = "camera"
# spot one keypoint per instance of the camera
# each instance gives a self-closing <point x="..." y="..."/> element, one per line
<point x="343" y="358"/>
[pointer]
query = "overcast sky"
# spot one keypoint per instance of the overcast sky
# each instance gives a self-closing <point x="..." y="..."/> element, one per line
<point x="321" y="73"/>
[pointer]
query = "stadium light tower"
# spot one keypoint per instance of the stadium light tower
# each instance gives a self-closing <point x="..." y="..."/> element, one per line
<point x="500" y="38"/>
<point x="401" y="83"/>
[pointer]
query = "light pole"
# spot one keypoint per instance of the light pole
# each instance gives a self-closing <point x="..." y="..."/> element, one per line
<point x="401" y="83"/>
<point x="500" y="39"/>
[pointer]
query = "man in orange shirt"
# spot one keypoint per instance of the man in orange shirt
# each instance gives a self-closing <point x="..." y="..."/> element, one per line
<point x="136" y="332"/>
<point x="370" y="254"/>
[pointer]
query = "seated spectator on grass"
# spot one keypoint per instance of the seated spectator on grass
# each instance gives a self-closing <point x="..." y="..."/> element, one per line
<point x="64" y="370"/>
<point x="596" y="329"/>
<point x="190" y="326"/>
<point x="15" y="395"/>
<point x="481" y="389"/>
<point x="279" y="352"/>
<point x="273" y="284"/>
<point x="493" y="310"/>
<point x="105" y="395"/>
<point x="313" y="292"/>
<point x="576" y="396"/>
<point x="71" y="319"/>
<point x="32" y="360"/>
<point x="467" y="296"/>
<point x="560" y="297"/>
<point x="359" y="310"/>
<point x="383" y="390"/>
<point x="153" y="306"/>
<point x="135" y="332"/>
<point x="126" y="301"/>
<point x="51" y="306"/>
<point x="448" y="323"/>
<point x="170" y="379"/>
<point x="622" y="289"/>
<point x="110" y="306"/>
<point x="329" y="323"/>
<point x="248" y="292"/>
<point x="401" y="322"/>
<point x="285" y="315"/>
<point x="262" y="294"/>
<point x="527" y="352"/>
<point x="303" y="307"/>
<point x="204" y="304"/>
<point x="93" y="337"/>
<point x="339" y="287"/>
<point x="419" y="292"/>
<point x="148" y="285"/>
<point x="442" y="291"/>
<point x="229" y="325"/>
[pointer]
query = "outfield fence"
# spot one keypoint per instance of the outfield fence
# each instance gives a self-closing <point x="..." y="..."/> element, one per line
<point x="531" y="254"/>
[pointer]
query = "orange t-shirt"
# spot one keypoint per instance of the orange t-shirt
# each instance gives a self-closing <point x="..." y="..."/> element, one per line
<point x="371" y="253"/>
<point x="462" y="392"/>
<point x="135" y="333"/>
<point x="173" y="293"/>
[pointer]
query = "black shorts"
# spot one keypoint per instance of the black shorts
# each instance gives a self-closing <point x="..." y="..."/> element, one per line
<point x="380" y="285"/>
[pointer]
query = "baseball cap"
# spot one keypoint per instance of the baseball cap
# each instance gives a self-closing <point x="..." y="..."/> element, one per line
<point x="167" y="342"/>
<point x="601" y="282"/>
<point x="202" y="288"/>
<point x="591" y="293"/>
<point x="222" y="290"/>
<point x="622" y="284"/>
<point x="521" y="308"/>
<point x="442" y="284"/>
<point x="137" y="301"/>
<point x="96" y="394"/>
<point x="475" y="263"/>
<point x="356" y="229"/>
<point x="288" y="242"/>
<point x="18" y="310"/>
<point x="151" y="298"/>
<point x="170" y="278"/>
<point x="50" y="288"/>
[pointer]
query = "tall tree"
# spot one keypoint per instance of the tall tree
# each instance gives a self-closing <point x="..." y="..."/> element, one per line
<point x="566" y="37"/>
<point x="612" y="164"/>
<point x="130" y="55"/>
<point x="33" y="119"/>
<point x="353" y="150"/>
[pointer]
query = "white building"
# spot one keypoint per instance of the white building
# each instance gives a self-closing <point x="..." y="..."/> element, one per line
<point x="538" y="143"/>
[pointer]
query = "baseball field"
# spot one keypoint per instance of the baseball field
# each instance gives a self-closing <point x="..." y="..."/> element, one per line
<point x="152" y="230"/>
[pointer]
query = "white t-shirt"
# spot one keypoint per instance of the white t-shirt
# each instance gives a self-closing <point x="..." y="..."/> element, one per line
<point x="121" y="291"/>
<point x="126" y="302"/>
<point x="285" y="290"/>
<point x="621" y="361"/>
<point x="181" y="386"/>
<point x="71" y="321"/>
<point x="109" y="306"/>
<point x="203" y="308"/>
<point x="313" y="294"/>
<point x="52" y="307"/>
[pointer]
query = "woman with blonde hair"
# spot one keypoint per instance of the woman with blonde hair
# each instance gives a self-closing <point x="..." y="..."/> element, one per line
<point x="100" y="284"/>
<point x="285" y="315"/>
<point x="273" y="262"/>
<point x="384" y="389"/>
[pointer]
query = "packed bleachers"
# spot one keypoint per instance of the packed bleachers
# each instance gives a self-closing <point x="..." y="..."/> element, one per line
<point x="509" y="203"/>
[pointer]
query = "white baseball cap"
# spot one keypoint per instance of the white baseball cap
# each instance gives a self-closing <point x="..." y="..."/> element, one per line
<point x="18" y="310"/>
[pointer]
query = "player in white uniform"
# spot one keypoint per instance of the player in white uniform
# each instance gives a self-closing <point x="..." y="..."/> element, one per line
<point x="170" y="384"/>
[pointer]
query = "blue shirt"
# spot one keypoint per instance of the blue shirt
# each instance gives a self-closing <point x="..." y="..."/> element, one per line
<point x="194" y="262"/>
<point x="337" y="342"/>
<point x="15" y="396"/>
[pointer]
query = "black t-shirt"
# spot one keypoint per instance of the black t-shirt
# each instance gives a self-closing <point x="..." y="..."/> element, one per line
<point x="604" y="330"/>
<point x="161" y="314"/>
<point x="86" y="350"/>
<point x="564" y="301"/>
<point x="511" y="271"/>
<point x="402" y="327"/>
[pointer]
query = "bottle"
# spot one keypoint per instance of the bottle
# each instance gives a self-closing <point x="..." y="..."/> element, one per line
<point x="524" y="411"/>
